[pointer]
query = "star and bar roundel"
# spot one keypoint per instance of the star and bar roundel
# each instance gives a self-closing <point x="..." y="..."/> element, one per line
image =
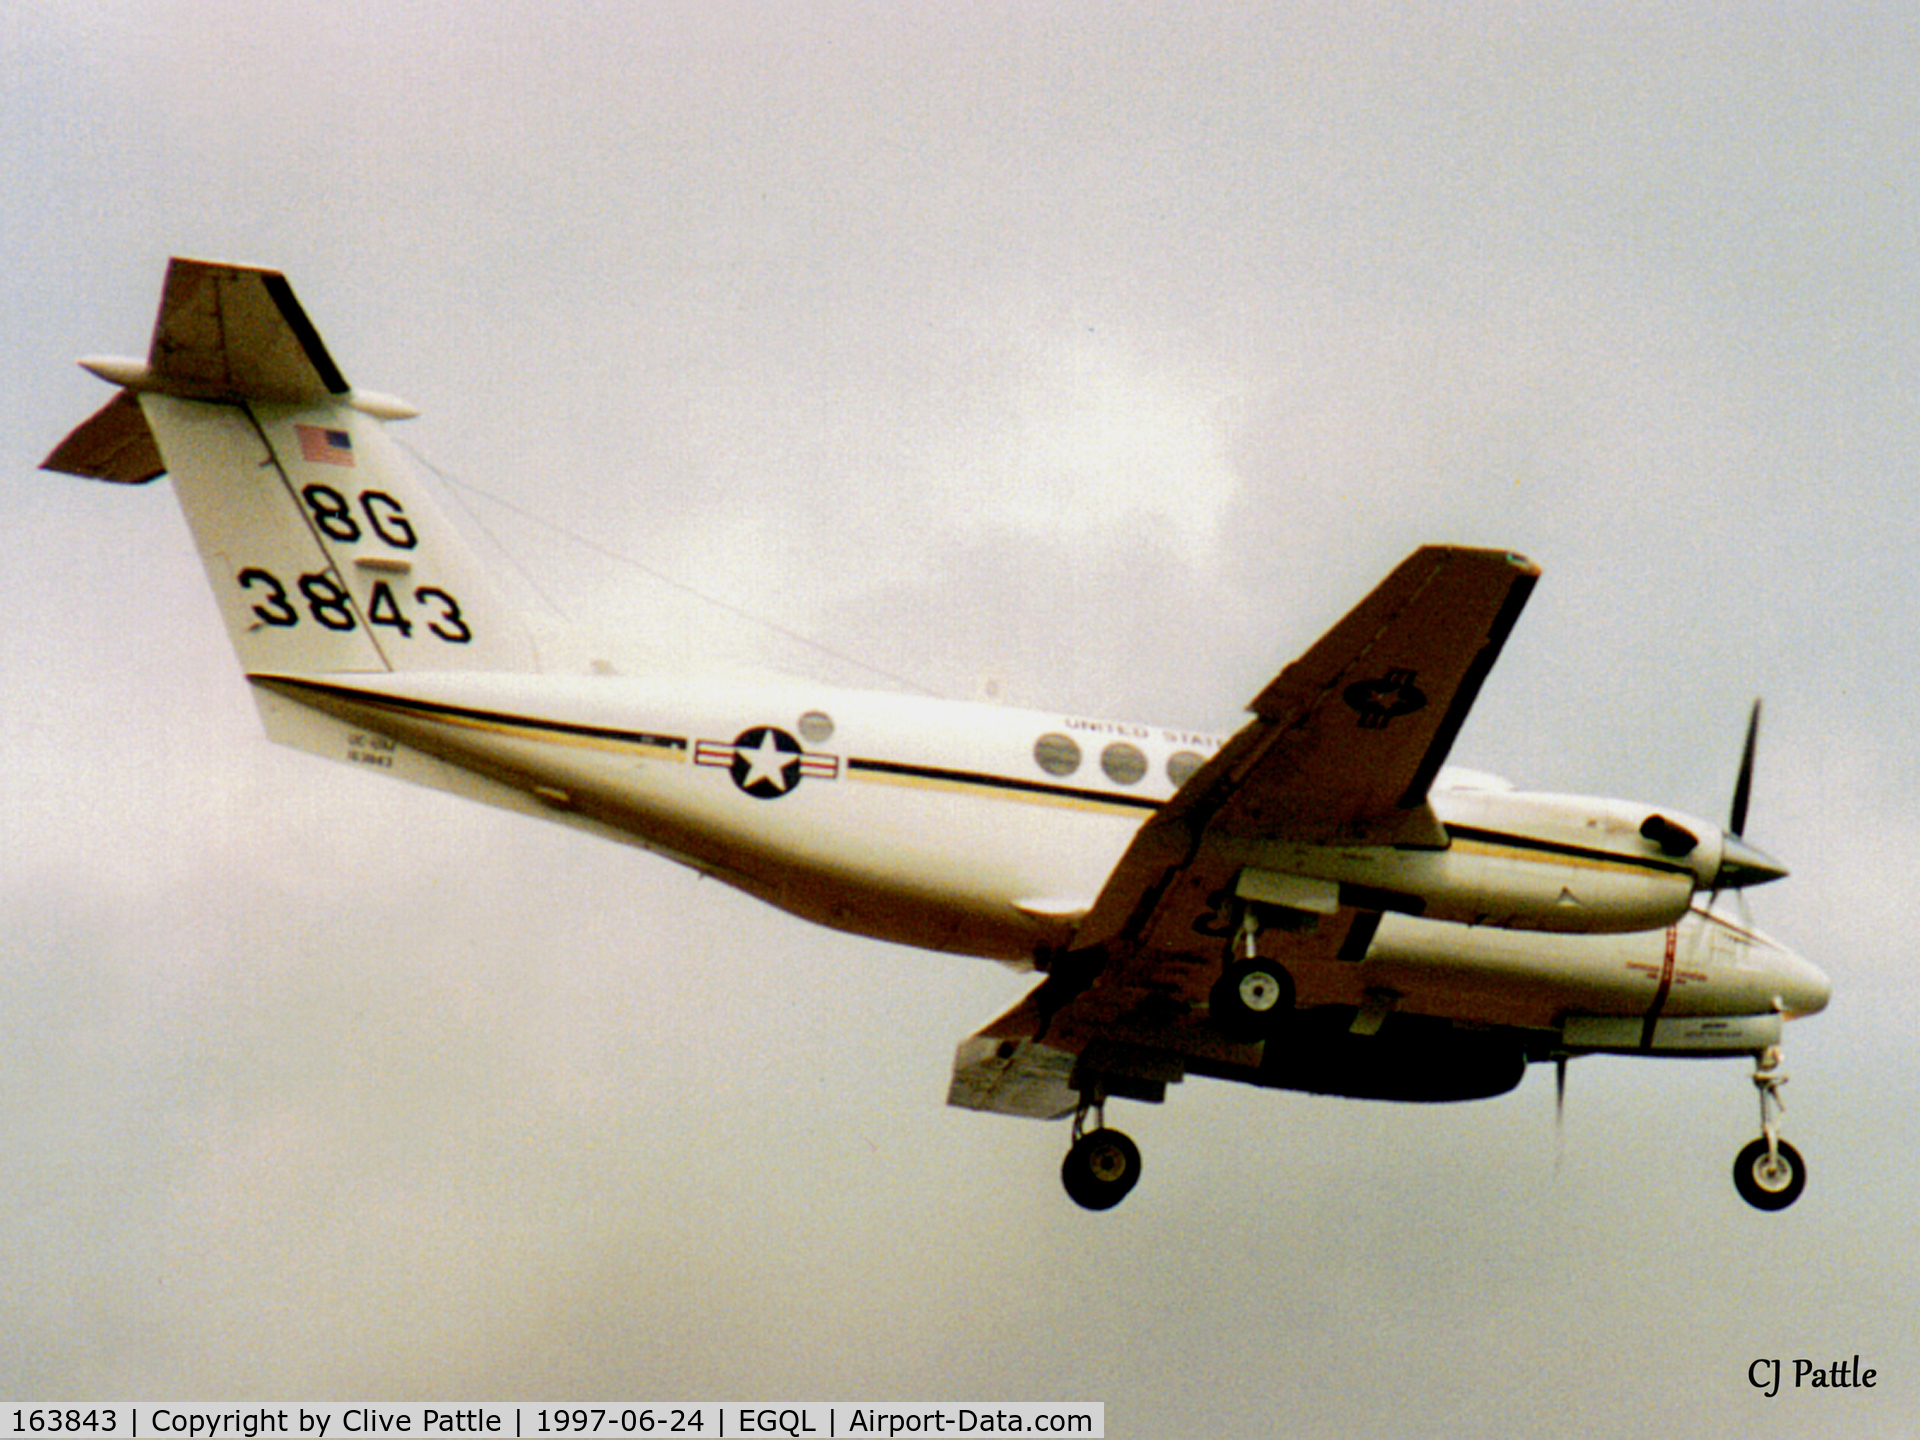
<point x="1380" y="702"/>
<point x="766" y="761"/>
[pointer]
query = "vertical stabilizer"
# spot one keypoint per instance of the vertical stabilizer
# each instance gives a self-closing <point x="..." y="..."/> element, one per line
<point x="324" y="552"/>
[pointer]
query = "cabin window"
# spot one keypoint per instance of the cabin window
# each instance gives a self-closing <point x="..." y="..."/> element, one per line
<point x="1123" y="763"/>
<point x="1181" y="765"/>
<point x="816" y="727"/>
<point x="1056" y="754"/>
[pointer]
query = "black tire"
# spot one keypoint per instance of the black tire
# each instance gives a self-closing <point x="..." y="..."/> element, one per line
<point x="1251" y="1000"/>
<point x="1765" y="1186"/>
<point x="1100" y="1169"/>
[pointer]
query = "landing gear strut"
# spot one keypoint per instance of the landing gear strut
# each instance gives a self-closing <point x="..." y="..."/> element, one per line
<point x="1103" y="1165"/>
<point x="1769" y="1173"/>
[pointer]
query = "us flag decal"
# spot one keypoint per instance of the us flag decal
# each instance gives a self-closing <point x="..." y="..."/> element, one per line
<point x="324" y="446"/>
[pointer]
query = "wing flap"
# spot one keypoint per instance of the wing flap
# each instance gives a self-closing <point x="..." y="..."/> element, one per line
<point x="1027" y="1078"/>
<point x="1132" y="1027"/>
<point x="1128" y="1039"/>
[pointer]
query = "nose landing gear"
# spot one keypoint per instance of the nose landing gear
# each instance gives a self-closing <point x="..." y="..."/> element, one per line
<point x="1769" y="1173"/>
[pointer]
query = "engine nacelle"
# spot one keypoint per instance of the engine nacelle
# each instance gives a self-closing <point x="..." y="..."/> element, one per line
<point x="1522" y="861"/>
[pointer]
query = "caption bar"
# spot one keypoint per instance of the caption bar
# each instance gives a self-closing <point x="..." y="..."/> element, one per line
<point x="706" y="1420"/>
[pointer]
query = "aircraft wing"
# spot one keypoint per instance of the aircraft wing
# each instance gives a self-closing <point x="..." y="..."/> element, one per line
<point x="1138" y="1025"/>
<point x="1342" y="750"/>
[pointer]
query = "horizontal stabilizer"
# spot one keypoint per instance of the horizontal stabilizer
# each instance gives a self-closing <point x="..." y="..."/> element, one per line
<point x="115" y="445"/>
<point x="231" y="332"/>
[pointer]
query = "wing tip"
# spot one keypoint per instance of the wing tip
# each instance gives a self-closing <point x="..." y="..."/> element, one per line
<point x="1496" y="555"/>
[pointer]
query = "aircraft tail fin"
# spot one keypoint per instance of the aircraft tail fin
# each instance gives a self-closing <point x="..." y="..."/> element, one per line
<point x="325" y="553"/>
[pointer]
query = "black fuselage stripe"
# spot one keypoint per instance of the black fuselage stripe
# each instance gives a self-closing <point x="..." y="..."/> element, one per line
<point x="942" y="776"/>
<point x="893" y="768"/>
<point x="435" y="711"/>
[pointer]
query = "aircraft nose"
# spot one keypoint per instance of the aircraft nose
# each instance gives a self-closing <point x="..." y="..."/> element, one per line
<point x="1800" y="987"/>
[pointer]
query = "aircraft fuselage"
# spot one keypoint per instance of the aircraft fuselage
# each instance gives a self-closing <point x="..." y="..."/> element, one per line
<point x="988" y="830"/>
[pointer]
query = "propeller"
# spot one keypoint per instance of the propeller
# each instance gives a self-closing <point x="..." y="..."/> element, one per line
<point x="1559" y="1109"/>
<point x="1742" y="864"/>
<point x="1743" y="787"/>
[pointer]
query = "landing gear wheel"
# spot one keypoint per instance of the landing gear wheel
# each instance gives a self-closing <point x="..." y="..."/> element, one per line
<point x="1251" y="999"/>
<point x="1100" y="1169"/>
<point x="1769" y="1182"/>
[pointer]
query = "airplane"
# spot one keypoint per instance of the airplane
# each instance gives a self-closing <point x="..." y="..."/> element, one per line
<point x="1316" y="902"/>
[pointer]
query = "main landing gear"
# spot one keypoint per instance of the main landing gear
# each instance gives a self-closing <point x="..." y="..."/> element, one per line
<point x="1249" y="1003"/>
<point x="1252" y="997"/>
<point x="1103" y="1165"/>
<point x="1769" y="1173"/>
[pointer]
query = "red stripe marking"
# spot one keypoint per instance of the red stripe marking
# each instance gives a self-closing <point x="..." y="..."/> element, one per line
<point x="1661" y="991"/>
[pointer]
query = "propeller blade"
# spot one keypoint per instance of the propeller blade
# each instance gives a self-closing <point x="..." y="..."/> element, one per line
<point x="1742" y="864"/>
<point x="1559" y="1109"/>
<point x="1743" y="787"/>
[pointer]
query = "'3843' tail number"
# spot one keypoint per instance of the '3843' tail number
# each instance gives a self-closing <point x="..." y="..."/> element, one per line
<point x="327" y="603"/>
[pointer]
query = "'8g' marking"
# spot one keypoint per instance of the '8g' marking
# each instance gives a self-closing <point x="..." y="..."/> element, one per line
<point x="333" y="517"/>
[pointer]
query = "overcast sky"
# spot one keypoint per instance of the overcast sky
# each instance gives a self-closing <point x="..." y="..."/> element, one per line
<point x="1102" y="354"/>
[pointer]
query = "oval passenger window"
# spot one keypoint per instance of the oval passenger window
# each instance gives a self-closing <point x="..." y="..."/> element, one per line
<point x="1056" y="754"/>
<point x="1123" y="763"/>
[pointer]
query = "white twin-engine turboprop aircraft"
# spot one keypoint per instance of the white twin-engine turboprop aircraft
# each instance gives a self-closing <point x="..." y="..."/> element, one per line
<point x="1311" y="903"/>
